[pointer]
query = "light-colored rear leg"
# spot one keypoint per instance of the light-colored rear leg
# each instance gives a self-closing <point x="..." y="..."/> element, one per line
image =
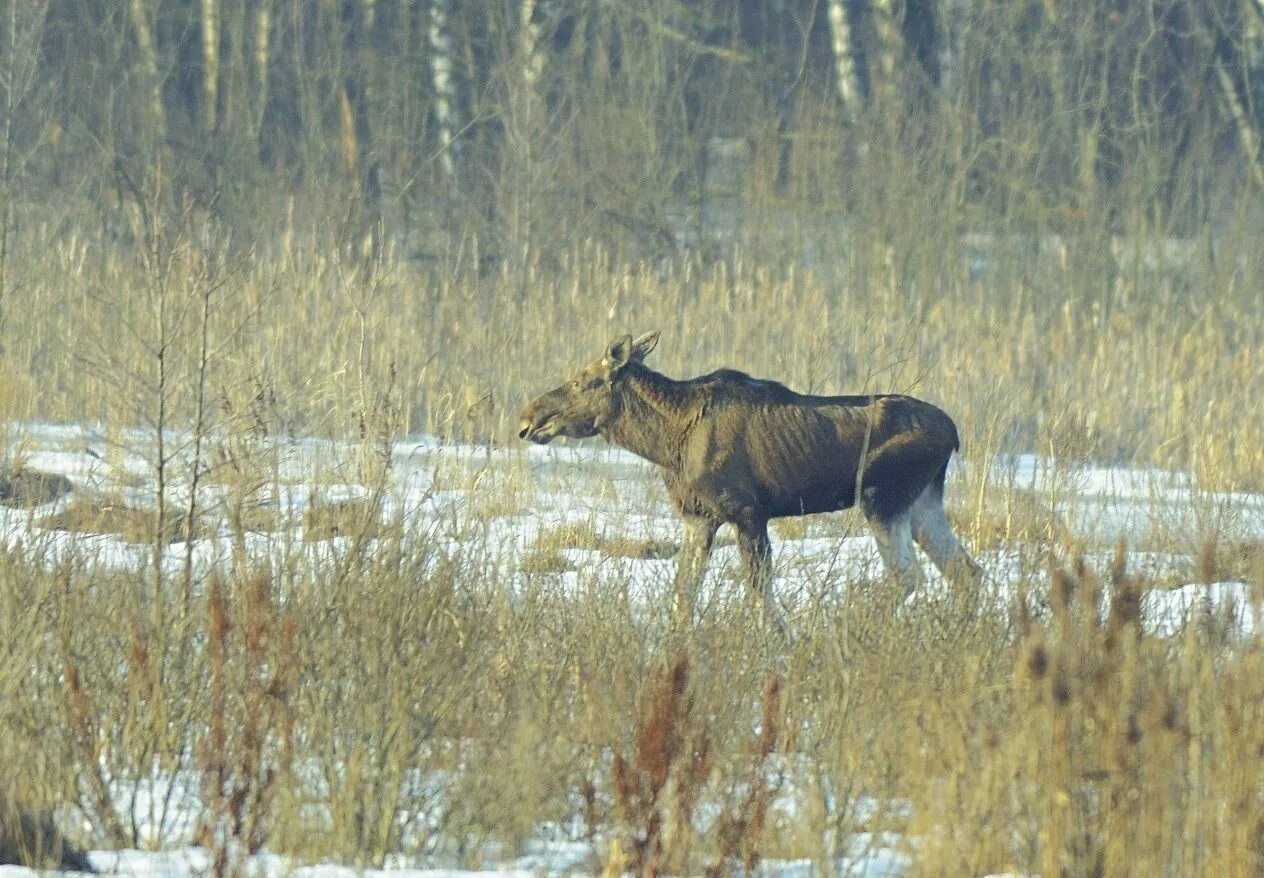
<point x="895" y="544"/>
<point x="934" y="534"/>
<point x="691" y="564"/>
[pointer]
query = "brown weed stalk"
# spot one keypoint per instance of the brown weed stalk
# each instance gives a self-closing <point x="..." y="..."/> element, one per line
<point x="657" y="789"/>
<point x="247" y="745"/>
<point x="742" y="828"/>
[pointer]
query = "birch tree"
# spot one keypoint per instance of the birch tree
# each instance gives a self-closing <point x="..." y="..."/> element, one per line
<point x="210" y="64"/>
<point x="844" y="59"/>
<point x="262" y="25"/>
<point x="443" y="82"/>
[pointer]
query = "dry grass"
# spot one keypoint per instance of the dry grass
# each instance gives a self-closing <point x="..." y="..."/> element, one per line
<point x="644" y="549"/>
<point x="1095" y="745"/>
<point x="573" y="535"/>
<point x="344" y="518"/>
<point x="85" y="515"/>
<point x="1238" y="560"/>
<point x="545" y="562"/>
<point x="1015" y="517"/>
<point x="585" y="536"/>
<point x="1021" y="359"/>
<point x="426" y="703"/>
<point x="425" y="699"/>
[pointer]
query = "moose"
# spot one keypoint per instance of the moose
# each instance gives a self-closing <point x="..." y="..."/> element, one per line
<point x="741" y="451"/>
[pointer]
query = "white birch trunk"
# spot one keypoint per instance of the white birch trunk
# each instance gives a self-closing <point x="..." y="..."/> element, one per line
<point x="210" y="63"/>
<point x="844" y="60"/>
<point x="532" y="57"/>
<point x="886" y="19"/>
<point x="443" y="82"/>
<point x="262" y="29"/>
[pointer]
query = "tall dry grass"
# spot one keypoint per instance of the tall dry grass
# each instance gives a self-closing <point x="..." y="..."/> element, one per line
<point x="410" y="697"/>
<point x="1061" y="347"/>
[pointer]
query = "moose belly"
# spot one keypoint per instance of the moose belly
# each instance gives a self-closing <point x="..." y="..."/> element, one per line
<point x="828" y="495"/>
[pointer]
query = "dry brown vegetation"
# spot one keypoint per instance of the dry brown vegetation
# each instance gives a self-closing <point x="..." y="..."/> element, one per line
<point x="408" y="701"/>
<point x="438" y="714"/>
<point x="465" y="350"/>
<point x="132" y="525"/>
<point x="403" y="701"/>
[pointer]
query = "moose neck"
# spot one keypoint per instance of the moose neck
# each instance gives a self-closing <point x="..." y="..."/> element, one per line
<point x="653" y="417"/>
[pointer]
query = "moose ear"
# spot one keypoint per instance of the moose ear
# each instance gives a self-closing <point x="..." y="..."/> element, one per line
<point x="642" y="346"/>
<point x="619" y="353"/>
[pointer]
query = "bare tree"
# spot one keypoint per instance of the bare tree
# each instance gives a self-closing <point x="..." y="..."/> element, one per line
<point x="585" y="110"/>
<point x="22" y="31"/>
<point x="357" y="133"/>
<point x="142" y="16"/>
<point x="1213" y="25"/>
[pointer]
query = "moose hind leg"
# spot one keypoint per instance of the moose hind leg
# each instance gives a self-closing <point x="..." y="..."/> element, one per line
<point x="934" y="534"/>
<point x="756" y="549"/>
<point x="691" y="563"/>
<point x="894" y="537"/>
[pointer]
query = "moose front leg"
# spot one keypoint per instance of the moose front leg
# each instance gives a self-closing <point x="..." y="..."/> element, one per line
<point x="756" y="549"/>
<point x="691" y="563"/>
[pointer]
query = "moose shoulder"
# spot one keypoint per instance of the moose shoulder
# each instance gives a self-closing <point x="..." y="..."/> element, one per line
<point x="740" y="450"/>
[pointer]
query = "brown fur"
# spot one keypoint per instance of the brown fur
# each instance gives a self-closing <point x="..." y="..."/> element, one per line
<point x="739" y="450"/>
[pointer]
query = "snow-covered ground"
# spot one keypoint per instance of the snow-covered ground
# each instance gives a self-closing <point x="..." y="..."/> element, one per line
<point x="507" y="499"/>
<point x="869" y="856"/>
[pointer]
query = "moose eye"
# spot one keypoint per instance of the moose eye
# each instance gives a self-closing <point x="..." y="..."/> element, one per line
<point x="594" y="383"/>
